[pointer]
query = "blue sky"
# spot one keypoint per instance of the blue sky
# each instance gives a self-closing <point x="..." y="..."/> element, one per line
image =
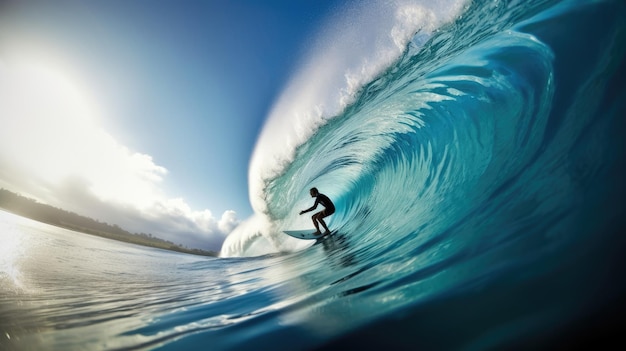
<point x="172" y="92"/>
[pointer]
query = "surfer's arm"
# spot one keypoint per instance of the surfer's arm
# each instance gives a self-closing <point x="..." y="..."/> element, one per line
<point x="310" y="208"/>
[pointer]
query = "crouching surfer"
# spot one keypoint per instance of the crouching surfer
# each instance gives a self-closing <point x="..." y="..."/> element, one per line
<point x="318" y="218"/>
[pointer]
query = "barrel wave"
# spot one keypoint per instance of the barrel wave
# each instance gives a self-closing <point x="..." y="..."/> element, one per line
<point x="492" y="120"/>
<point x="486" y="155"/>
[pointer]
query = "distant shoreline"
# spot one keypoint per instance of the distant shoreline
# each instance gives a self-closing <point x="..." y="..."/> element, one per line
<point x="31" y="209"/>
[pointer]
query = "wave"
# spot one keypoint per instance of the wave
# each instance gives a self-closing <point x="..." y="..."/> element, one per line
<point x="436" y="127"/>
<point x="346" y="55"/>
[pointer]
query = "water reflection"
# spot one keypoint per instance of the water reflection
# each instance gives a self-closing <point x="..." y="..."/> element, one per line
<point x="337" y="248"/>
<point x="12" y="253"/>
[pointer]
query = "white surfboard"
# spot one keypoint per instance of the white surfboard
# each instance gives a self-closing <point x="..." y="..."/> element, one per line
<point x="306" y="234"/>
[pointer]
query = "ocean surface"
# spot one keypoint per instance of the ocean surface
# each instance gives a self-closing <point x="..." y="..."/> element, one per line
<point x="475" y="152"/>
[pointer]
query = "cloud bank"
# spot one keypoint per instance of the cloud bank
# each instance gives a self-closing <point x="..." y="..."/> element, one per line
<point x="52" y="148"/>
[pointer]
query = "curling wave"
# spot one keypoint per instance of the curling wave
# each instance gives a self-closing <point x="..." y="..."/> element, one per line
<point x="468" y="122"/>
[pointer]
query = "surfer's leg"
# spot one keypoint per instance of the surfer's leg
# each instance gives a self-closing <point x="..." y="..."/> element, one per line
<point x="320" y="218"/>
<point x="324" y="225"/>
<point x="317" y="226"/>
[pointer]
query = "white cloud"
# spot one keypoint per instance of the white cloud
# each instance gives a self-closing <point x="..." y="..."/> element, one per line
<point x="52" y="148"/>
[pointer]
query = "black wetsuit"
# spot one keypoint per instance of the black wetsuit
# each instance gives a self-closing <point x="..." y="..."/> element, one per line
<point x="329" y="207"/>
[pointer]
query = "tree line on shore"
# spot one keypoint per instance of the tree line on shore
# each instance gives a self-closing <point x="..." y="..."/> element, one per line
<point x="32" y="209"/>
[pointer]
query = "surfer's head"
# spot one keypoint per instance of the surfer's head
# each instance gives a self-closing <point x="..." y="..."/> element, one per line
<point x="314" y="192"/>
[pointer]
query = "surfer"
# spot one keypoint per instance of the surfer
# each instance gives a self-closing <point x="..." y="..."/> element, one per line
<point x="318" y="218"/>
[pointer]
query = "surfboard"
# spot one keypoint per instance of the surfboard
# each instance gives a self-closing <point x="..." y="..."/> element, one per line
<point x="306" y="234"/>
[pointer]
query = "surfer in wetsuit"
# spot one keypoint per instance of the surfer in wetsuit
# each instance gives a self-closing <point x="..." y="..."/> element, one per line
<point x="329" y="208"/>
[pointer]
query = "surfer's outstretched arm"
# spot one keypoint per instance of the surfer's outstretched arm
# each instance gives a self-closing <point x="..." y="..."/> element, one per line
<point x="309" y="209"/>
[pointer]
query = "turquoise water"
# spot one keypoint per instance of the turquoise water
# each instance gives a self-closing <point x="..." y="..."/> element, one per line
<point x="479" y="188"/>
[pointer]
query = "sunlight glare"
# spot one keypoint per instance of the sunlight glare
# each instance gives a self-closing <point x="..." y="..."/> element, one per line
<point x="12" y="251"/>
<point x="49" y="115"/>
<point x="54" y="133"/>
